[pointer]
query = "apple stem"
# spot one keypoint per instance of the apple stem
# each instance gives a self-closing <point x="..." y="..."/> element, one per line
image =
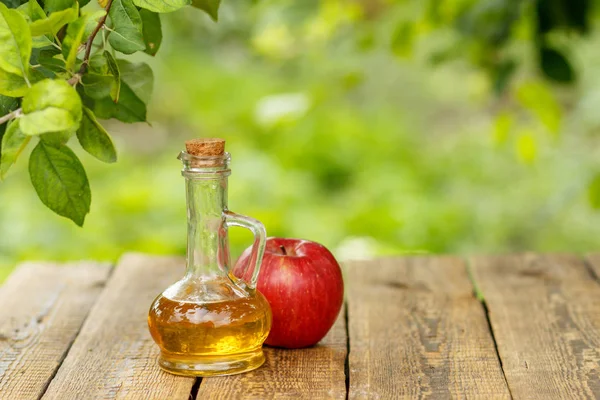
<point x="283" y="250"/>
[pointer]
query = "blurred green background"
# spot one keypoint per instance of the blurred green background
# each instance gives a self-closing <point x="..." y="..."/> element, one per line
<point x="373" y="127"/>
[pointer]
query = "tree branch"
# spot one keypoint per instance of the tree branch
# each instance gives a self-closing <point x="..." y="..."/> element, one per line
<point x="11" y="115"/>
<point x="88" y="46"/>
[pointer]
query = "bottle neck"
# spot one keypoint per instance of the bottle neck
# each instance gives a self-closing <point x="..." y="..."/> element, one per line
<point x="207" y="247"/>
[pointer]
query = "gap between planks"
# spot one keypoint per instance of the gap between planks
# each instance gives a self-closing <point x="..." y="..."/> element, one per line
<point x="477" y="294"/>
<point x="543" y="312"/>
<point x="416" y="330"/>
<point x="592" y="263"/>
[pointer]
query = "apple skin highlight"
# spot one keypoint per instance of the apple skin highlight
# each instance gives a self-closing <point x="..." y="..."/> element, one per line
<point x="303" y="284"/>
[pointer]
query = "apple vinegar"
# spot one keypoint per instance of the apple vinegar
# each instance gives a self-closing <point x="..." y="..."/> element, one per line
<point x="232" y="330"/>
<point x="210" y="322"/>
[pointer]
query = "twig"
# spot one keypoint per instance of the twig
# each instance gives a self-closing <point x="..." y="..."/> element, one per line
<point x="88" y="47"/>
<point x="90" y="41"/>
<point x="11" y="115"/>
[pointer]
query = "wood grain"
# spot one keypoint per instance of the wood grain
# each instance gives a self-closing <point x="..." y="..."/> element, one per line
<point x="545" y="313"/>
<point x="114" y="356"/>
<point x="42" y="308"/>
<point x="417" y="331"/>
<point x="593" y="262"/>
<point x="312" y="373"/>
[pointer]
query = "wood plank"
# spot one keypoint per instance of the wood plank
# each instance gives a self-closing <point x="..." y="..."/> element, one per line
<point x="416" y="330"/>
<point x="593" y="261"/>
<point x="43" y="308"/>
<point x="545" y="313"/>
<point x="114" y="356"/>
<point x="312" y="373"/>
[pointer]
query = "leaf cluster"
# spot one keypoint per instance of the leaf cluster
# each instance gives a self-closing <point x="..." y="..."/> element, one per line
<point x="61" y="72"/>
<point x="492" y="25"/>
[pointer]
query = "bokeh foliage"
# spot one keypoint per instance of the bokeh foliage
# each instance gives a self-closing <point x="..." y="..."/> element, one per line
<point x="374" y="127"/>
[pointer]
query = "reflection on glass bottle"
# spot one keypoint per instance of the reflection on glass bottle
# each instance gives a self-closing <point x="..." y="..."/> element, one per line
<point x="210" y="322"/>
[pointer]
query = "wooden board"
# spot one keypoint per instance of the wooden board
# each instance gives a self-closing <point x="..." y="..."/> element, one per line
<point x="43" y="308"/>
<point x="313" y="373"/>
<point x="545" y="313"/>
<point x="416" y="330"/>
<point x="114" y="356"/>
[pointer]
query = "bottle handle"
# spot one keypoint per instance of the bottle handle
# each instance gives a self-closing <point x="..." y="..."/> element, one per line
<point x="258" y="247"/>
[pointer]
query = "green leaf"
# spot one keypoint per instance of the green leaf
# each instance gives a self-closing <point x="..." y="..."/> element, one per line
<point x="579" y="14"/>
<point x="7" y="104"/>
<point x="94" y="138"/>
<point x="11" y="3"/>
<point x="113" y="68"/>
<point x="139" y="78"/>
<point x="502" y="74"/>
<point x="60" y="181"/>
<point x="136" y="88"/>
<point x="92" y="22"/>
<point x="556" y="14"/>
<point x="556" y="66"/>
<point x="33" y="10"/>
<point x="98" y="64"/>
<point x="36" y="76"/>
<point x="502" y="127"/>
<point x="12" y="85"/>
<point x="403" y="39"/>
<point x="594" y="192"/>
<point x="526" y="147"/>
<point x="545" y="11"/>
<point x="50" y="106"/>
<point x="541" y="101"/>
<point x="126" y="36"/>
<point x="56" y="139"/>
<point x="152" y="31"/>
<point x="211" y="7"/>
<point x="51" y="6"/>
<point x="103" y="80"/>
<point x="162" y="6"/>
<point x="72" y="41"/>
<point x="51" y="63"/>
<point x="54" y="22"/>
<point x="53" y="60"/>
<point x="13" y="143"/>
<point x="15" y="42"/>
<point x="39" y="42"/>
<point x="97" y="86"/>
<point x="128" y="109"/>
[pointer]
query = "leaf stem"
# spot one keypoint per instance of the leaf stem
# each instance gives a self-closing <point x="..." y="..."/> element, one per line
<point x="11" y="115"/>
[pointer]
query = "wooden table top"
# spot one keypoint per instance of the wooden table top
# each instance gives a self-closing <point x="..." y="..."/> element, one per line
<point x="516" y="326"/>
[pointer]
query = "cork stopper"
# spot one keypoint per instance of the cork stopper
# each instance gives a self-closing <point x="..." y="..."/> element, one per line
<point x="211" y="151"/>
<point x="205" y="147"/>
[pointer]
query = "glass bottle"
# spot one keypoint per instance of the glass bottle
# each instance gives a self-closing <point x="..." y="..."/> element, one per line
<point x="210" y="322"/>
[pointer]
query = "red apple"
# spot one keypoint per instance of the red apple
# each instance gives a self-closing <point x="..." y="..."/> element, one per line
<point x="303" y="283"/>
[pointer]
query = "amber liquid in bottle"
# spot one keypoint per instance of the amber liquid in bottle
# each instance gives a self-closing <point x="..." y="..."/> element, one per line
<point x="229" y="329"/>
<point x="210" y="322"/>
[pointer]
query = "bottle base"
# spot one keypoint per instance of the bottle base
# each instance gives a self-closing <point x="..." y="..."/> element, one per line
<point x="211" y="365"/>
